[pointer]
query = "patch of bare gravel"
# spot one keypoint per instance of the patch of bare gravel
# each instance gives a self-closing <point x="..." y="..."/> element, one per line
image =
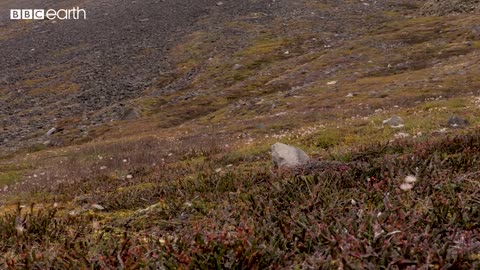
<point x="444" y="7"/>
<point x="85" y="71"/>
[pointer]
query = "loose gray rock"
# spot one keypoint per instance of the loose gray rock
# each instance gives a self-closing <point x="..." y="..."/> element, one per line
<point x="131" y="114"/>
<point x="401" y="135"/>
<point x="457" y="122"/>
<point x="288" y="156"/>
<point x="394" y="122"/>
<point x="476" y="31"/>
<point x="238" y="66"/>
<point x="51" y="131"/>
<point x="97" y="206"/>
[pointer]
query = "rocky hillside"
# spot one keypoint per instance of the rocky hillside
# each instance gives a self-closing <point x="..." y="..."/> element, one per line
<point x="143" y="137"/>
<point x="75" y="75"/>
<point x="444" y="7"/>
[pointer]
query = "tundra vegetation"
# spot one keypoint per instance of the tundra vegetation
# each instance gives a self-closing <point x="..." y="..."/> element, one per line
<point x="188" y="183"/>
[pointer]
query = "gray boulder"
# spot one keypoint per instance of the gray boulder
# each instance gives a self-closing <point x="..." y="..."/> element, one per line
<point x="394" y="122"/>
<point x="284" y="155"/>
<point x="457" y="122"/>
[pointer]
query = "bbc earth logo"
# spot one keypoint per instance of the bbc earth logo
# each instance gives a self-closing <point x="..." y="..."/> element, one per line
<point x="75" y="13"/>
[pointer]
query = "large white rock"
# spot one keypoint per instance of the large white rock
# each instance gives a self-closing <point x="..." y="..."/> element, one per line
<point x="288" y="156"/>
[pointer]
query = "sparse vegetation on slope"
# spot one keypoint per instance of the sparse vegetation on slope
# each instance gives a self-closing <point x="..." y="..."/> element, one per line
<point x="187" y="182"/>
